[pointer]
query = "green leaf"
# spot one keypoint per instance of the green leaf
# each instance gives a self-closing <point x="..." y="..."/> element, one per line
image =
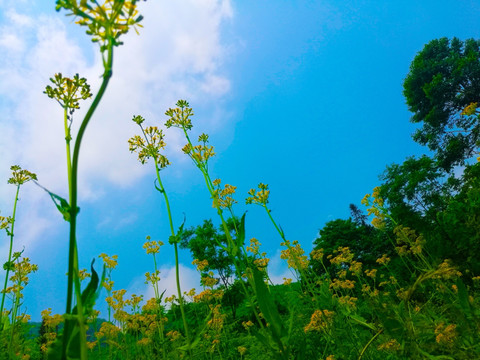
<point x="175" y="239"/>
<point x="241" y="232"/>
<point x="62" y="205"/>
<point x="9" y="265"/>
<point x="268" y="308"/>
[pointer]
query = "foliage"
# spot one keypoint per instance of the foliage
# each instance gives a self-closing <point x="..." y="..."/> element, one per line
<point x="203" y="242"/>
<point x="442" y="89"/>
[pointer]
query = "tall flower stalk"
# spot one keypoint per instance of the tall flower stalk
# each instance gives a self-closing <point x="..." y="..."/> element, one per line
<point x="149" y="146"/>
<point x="19" y="177"/>
<point x="106" y="23"/>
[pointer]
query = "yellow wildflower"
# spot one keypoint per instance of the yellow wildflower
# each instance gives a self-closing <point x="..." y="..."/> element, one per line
<point x="384" y="260"/>
<point x="445" y="334"/>
<point x="242" y="350"/>
<point x="391" y="345"/>
<point x="259" y="197"/>
<point x="110" y="262"/>
<point x="201" y="265"/>
<point x="371" y="273"/>
<point x="152" y="247"/>
<point x="247" y="324"/>
<point x="319" y="320"/>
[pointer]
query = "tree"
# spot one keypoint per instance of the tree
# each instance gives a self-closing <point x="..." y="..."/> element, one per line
<point x="366" y="243"/>
<point x="441" y="206"/>
<point x="416" y="191"/>
<point x="205" y="243"/>
<point x="442" y="89"/>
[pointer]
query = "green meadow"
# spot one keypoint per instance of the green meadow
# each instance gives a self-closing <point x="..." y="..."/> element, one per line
<point x="398" y="279"/>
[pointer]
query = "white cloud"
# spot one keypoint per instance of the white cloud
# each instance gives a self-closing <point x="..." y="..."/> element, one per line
<point x="178" y="54"/>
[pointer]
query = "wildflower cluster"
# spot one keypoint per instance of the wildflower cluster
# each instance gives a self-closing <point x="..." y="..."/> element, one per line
<point x="214" y="327"/>
<point x="150" y="145"/>
<point x="134" y="302"/>
<point x="223" y="197"/>
<point x="117" y="303"/>
<point x="200" y="154"/>
<point x="108" y="331"/>
<point x="391" y="345"/>
<point x="83" y="274"/>
<point x="445" y="335"/>
<point x="346" y="284"/>
<point x="446" y="271"/>
<point x="68" y="92"/>
<point x="208" y="280"/>
<point x="343" y="256"/>
<point x="295" y="255"/>
<point x="50" y="328"/>
<point x="259" y="197"/>
<point x="152" y="247"/>
<point x="19" y="176"/>
<point x="106" y="23"/>
<point x="254" y="247"/>
<point x="6" y="223"/>
<point x="208" y="296"/>
<point x="384" y="260"/>
<point x="201" y="265"/>
<point x="317" y="254"/>
<point x="348" y="301"/>
<point x="180" y="116"/>
<point x="376" y="207"/>
<point x="110" y="262"/>
<point x="320" y="320"/>
<point x="21" y="269"/>
<point x="152" y="278"/>
<point x="408" y="241"/>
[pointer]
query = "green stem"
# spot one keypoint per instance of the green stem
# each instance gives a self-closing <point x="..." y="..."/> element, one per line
<point x="9" y="257"/>
<point x="72" y="254"/>
<point x="368" y="344"/>
<point x="68" y="138"/>
<point x="304" y="276"/>
<point x="177" y="268"/>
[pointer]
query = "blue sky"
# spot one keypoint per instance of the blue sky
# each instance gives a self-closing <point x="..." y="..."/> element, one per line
<point x="305" y="96"/>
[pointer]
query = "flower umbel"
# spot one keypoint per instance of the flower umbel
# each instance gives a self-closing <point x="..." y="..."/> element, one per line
<point x="107" y="22"/>
<point x="68" y="92"/>
<point x="149" y="145"/>
<point x="19" y="176"/>
<point x="259" y="197"/>
<point x="180" y="116"/>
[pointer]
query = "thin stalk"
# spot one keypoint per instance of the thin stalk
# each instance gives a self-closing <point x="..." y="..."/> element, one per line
<point x="68" y="138"/>
<point x="175" y="245"/>
<point x="308" y="281"/>
<point x="368" y="344"/>
<point x="9" y="256"/>
<point x="16" y="305"/>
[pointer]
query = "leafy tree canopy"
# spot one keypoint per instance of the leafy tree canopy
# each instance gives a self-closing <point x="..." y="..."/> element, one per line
<point x="442" y="89"/>
<point x="366" y="242"/>
<point x="205" y="243"/>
